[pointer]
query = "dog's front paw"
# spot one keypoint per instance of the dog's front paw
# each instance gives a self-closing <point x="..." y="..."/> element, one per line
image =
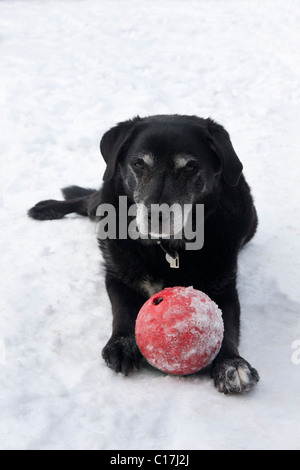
<point x="122" y="354"/>
<point x="234" y="375"/>
<point x="46" y="210"/>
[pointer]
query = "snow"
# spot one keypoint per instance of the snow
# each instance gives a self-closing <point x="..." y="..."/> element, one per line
<point x="68" y="71"/>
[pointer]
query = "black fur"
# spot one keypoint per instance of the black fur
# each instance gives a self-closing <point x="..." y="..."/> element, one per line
<point x="214" y="179"/>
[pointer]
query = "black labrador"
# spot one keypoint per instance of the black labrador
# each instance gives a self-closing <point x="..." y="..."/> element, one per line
<point x="162" y="161"/>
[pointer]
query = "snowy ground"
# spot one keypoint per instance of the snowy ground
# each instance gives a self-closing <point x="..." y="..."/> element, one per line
<point x="68" y="71"/>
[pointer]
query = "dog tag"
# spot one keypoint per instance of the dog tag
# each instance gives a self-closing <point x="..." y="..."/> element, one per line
<point x="174" y="262"/>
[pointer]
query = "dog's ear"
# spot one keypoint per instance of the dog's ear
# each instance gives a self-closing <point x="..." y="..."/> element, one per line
<point x="222" y="146"/>
<point x="113" y="143"/>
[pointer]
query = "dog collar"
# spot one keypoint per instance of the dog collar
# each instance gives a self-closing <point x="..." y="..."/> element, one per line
<point x="171" y="257"/>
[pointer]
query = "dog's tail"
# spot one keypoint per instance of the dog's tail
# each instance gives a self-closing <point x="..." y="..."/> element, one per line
<point x="80" y="198"/>
<point x="72" y="192"/>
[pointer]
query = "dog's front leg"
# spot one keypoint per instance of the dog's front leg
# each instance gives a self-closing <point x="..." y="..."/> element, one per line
<point x="231" y="372"/>
<point x="121" y="352"/>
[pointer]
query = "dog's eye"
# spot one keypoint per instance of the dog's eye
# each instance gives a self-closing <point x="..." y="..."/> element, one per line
<point x="190" y="166"/>
<point x="139" y="164"/>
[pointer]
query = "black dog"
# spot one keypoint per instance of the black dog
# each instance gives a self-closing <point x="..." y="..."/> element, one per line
<point x="183" y="160"/>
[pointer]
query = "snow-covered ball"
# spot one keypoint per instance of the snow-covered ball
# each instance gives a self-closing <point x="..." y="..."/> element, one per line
<point x="179" y="330"/>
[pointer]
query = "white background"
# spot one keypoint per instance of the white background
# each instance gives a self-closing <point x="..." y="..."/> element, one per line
<point x="69" y="70"/>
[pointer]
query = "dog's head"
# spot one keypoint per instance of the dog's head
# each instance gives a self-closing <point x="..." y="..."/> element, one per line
<point x="170" y="159"/>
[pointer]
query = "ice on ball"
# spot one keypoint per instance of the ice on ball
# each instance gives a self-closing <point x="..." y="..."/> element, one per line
<point x="179" y="330"/>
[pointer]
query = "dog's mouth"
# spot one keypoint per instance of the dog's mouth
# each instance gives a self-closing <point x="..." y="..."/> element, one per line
<point x="166" y="223"/>
<point x="164" y="228"/>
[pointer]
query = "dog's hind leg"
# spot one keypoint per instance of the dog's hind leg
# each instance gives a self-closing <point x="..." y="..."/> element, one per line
<point x="76" y="200"/>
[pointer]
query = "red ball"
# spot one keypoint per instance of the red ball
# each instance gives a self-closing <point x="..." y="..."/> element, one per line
<point x="179" y="330"/>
